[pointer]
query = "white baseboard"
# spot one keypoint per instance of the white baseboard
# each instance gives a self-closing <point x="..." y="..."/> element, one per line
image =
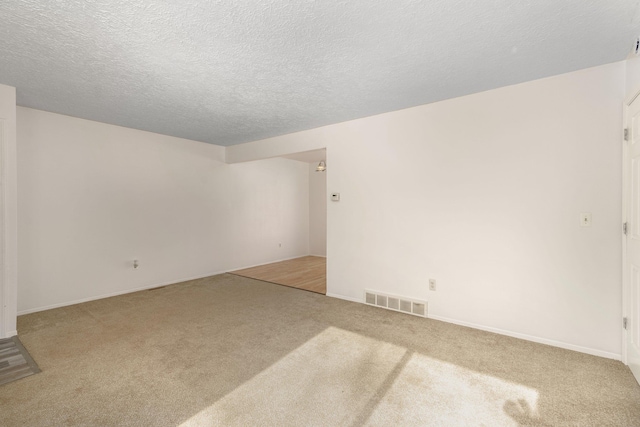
<point x="553" y="343"/>
<point x="319" y="256"/>
<point x="142" y="288"/>
<point x="560" y="344"/>
<point x="265" y="263"/>
<point x="532" y="338"/>
<point x="114" y="294"/>
<point x="11" y="334"/>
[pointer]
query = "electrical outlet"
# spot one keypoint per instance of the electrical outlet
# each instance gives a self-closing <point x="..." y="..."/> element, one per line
<point x="432" y="284"/>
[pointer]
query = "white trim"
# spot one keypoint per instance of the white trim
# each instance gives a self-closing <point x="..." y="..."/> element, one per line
<point x="114" y="294"/>
<point x="264" y="263"/>
<point x="625" y="191"/>
<point x="332" y="295"/>
<point x="631" y="98"/>
<point x="142" y="288"/>
<point x="526" y="337"/>
<point x="4" y="277"/>
<point x="553" y="343"/>
<point x="8" y="214"/>
<point x="560" y="344"/>
<point x="319" y="256"/>
<point x="11" y="334"/>
<point x="8" y="226"/>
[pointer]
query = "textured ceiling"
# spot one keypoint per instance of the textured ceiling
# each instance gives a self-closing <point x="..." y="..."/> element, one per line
<point x="227" y="72"/>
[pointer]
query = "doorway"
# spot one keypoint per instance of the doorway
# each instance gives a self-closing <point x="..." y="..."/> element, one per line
<point x="308" y="272"/>
<point x="631" y="241"/>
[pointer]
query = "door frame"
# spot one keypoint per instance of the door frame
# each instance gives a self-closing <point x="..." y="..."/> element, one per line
<point x="4" y="279"/>
<point x="625" y="205"/>
<point x="8" y="213"/>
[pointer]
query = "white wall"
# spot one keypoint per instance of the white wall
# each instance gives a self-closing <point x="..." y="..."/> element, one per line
<point x="633" y="75"/>
<point x="8" y="214"/>
<point x="483" y="193"/>
<point x="317" y="211"/>
<point x="93" y="197"/>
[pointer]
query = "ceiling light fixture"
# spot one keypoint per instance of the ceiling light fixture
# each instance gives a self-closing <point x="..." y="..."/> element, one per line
<point x="321" y="167"/>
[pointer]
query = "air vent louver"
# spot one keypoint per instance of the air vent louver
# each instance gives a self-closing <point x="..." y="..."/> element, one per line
<point x="419" y="309"/>
<point x="405" y="306"/>
<point x="396" y="303"/>
<point x="370" y="298"/>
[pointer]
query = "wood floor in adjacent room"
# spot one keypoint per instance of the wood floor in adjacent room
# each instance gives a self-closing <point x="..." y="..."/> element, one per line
<point x="308" y="273"/>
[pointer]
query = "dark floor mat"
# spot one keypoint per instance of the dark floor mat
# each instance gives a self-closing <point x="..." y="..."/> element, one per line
<point x="15" y="361"/>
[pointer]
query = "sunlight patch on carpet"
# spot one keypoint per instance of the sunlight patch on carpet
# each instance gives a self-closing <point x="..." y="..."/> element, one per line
<point x="433" y="392"/>
<point x="343" y="378"/>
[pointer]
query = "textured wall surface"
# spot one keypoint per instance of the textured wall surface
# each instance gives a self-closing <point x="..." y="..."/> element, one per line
<point x="227" y="72"/>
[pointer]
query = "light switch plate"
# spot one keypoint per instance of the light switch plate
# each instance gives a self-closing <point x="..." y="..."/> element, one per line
<point x="585" y="219"/>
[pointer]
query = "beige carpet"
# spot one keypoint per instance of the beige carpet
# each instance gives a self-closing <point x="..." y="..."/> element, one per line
<point x="233" y="351"/>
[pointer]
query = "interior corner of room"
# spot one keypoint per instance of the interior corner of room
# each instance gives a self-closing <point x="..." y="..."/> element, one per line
<point x="501" y="210"/>
<point x="320" y="213"/>
<point x="528" y="160"/>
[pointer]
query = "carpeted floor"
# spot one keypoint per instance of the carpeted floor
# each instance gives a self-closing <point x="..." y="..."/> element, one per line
<point x="233" y="351"/>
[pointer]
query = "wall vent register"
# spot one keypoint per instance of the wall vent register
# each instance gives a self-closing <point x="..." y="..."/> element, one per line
<point x="396" y="303"/>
